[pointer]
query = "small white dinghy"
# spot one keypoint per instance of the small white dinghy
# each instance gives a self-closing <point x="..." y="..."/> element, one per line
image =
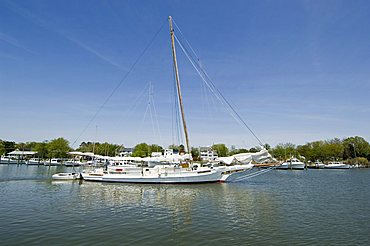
<point x="66" y="176"/>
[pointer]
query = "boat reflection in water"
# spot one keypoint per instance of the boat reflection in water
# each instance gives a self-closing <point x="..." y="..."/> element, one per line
<point x="181" y="207"/>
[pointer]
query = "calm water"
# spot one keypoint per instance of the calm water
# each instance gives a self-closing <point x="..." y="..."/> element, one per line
<point x="313" y="207"/>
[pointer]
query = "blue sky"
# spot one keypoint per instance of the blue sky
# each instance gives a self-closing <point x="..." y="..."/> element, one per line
<point x="296" y="71"/>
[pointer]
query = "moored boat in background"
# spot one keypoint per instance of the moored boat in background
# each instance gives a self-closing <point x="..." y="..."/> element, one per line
<point x="54" y="162"/>
<point x="34" y="161"/>
<point x="66" y="176"/>
<point x="292" y="163"/>
<point x="8" y="160"/>
<point x="337" y="165"/>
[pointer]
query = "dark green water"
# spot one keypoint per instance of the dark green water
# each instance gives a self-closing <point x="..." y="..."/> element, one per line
<point x="313" y="207"/>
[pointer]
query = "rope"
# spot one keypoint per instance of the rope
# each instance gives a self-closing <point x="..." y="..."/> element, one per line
<point x="136" y="102"/>
<point x="205" y="77"/>
<point x="211" y="88"/>
<point x="255" y="174"/>
<point x="150" y="104"/>
<point x="156" y="118"/>
<point x="178" y="122"/>
<point x="120" y="82"/>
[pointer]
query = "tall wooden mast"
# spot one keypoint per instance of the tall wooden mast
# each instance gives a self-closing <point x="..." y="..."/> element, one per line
<point x="178" y="83"/>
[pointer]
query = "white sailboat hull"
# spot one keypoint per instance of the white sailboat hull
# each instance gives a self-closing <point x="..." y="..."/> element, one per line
<point x="159" y="178"/>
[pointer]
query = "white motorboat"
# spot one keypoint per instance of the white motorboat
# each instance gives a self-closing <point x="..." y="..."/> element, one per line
<point x="34" y="161"/>
<point x="66" y="176"/>
<point x="319" y="165"/>
<point x="73" y="163"/>
<point x="316" y="165"/>
<point x="292" y="163"/>
<point x="8" y="160"/>
<point x="54" y="162"/>
<point x="337" y="165"/>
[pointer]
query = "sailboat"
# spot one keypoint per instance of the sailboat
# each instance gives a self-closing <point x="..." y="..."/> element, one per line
<point x="179" y="173"/>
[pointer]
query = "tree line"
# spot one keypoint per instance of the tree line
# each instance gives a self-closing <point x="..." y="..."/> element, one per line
<point x="59" y="148"/>
<point x="352" y="149"/>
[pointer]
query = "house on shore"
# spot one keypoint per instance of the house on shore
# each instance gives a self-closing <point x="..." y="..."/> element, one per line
<point x="207" y="154"/>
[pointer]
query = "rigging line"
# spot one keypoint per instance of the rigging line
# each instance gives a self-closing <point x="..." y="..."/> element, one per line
<point x="197" y="68"/>
<point x="144" y="117"/>
<point x="238" y="115"/>
<point x="135" y="104"/>
<point x="185" y="39"/>
<point x="204" y="80"/>
<point x="208" y="85"/>
<point x="177" y="110"/>
<point x="121" y="81"/>
<point x="232" y="108"/>
<point x="175" y="119"/>
<point x="194" y="64"/>
<point x="210" y="103"/>
<point x="191" y="48"/>
<point x="150" y="107"/>
<point x="172" y="116"/>
<point x="156" y="118"/>
<point x="223" y="100"/>
<point x="254" y="174"/>
<point x="200" y="67"/>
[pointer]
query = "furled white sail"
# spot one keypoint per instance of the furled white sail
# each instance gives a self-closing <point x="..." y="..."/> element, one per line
<point x="244" y="158"/>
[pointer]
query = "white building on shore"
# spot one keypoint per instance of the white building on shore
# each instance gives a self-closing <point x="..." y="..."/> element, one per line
<point x="207" y="154"/>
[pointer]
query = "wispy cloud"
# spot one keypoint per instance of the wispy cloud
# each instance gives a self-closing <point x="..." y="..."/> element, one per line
<point x="91" y="50"/>
<point x="12" y="41"/>
<point x="47" y="25"/>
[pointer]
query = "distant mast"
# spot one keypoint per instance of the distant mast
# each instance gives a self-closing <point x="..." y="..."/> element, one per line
<point x="178" y="83"/>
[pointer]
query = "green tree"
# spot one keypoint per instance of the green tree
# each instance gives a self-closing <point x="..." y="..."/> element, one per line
<point x="86" y="147"/>
<point x="29" y="145"/>
<point x="105" y="149"/>
<point x="238" y="151"/>
<point x="9" y="146"/>
<point x="20" y="146"/>
<point x="333" y="148"/>
<point x="179" y="148"/>
<point x="174" y="147"/>
<point x="108" y="149"/>
<point x="363" y="162"/>
<point x="141" y="150"/>
<point x="2" y="148"/>
<point x="221" y="149"/>
<point x="58" y="148"/>
<point x="283" y="151"/>
<point x="254" y="149"/>
<point x="306" y="151"/>
<point x="155" y="148"/>
<point x="355" y="147"/>
<point x="195" y="154"/>
<point x="41" y="149"/>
